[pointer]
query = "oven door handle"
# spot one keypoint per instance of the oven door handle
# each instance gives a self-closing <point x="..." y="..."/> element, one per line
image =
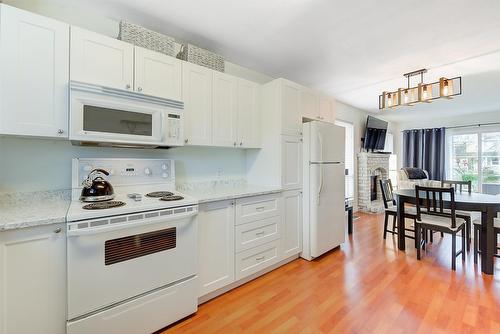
<point x="115" y="227"/>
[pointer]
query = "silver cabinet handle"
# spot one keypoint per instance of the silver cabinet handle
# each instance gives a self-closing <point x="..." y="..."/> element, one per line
<point x="260" y="233"/>
<point x="127" y="86"/>
<point x="58" y="230"/>
<point x="260" y="258"/>
<point x="234" y="143"/>
<point x="139" y="89"/>
<point x="260" y="208"/>
<point x="60" y="131"/>
<point x="186" y="141"/>
<point x="241" y="143"/>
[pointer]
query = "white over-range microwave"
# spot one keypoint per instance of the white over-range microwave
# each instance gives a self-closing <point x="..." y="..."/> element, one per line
<point x="112" y="117"/>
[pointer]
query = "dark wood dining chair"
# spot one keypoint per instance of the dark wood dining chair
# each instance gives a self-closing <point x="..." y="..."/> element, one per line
<point x="477" y="236"/>
<point x="391" y="210"/>
<point x="431" y="215"/>
<point x="470" y="217"/>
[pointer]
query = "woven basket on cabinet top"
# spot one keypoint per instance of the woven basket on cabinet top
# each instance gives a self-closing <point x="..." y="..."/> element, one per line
<point x="152" y="40"/>
<point x="199" y="56"/>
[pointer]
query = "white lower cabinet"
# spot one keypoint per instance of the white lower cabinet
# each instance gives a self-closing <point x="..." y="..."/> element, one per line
<point x="291" y="237"/>
<point x="33" y="280"/>
<point x="253" y="260"/>
<point x="216" y="245"/>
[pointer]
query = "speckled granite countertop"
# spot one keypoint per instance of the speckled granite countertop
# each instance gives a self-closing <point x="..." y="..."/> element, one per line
<point x="20" y="210"/>
<point x="218" y="191"/>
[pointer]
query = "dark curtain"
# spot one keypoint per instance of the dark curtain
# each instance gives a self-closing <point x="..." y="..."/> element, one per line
<point x="425" y="148"/>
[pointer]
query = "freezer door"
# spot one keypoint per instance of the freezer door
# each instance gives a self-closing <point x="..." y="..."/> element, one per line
<point x="327" y="211"/>
<point x="327" y="142"/>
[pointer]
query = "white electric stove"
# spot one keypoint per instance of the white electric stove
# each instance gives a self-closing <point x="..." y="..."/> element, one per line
<point x="132" y="261"/>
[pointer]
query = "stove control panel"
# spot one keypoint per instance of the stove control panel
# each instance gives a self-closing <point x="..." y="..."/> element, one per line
<point x="126" y="171"/>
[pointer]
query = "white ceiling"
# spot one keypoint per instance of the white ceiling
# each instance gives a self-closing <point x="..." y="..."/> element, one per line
<point x="351" y="49"/>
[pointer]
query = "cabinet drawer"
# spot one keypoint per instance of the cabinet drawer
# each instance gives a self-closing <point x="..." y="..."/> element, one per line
<point x="251" y="261"/>
<point x="257" y="233"/>
<point x="255" y="208"/>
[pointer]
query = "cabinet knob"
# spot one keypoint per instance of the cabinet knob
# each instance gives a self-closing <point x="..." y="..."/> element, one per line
<point x="127" y="86"/>
<point x="58" y="230"/>
<point x="234" y="143"/>
<point x="186" y="141"/>
<point x="300" y="133"/>
<point x="139" y="89"/>
<point x="60" y="131"/>
<point x="241" y="143"/>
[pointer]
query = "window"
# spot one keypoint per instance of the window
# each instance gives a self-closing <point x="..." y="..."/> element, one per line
<point x="393" y="159"/>
<point x="349" y="158"/>
<point x="475" y="155"/>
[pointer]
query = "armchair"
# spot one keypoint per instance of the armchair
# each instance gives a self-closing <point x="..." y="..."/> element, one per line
<point x="408" y="178"/>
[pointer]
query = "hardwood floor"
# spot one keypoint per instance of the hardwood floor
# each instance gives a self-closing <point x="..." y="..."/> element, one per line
<point x="367" y="286"/>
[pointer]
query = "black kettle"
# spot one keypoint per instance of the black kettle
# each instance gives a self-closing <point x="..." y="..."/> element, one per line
<point x="96" y="188"/>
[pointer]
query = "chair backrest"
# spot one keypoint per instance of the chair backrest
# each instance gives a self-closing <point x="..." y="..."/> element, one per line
<point x="434" y="202"/>
<point x="387" y="195"/>
<point x="458" y="185"/>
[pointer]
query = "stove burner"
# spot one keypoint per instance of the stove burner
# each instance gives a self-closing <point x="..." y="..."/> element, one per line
<point x="103" y="205"/>
<point x="157" y="194"/>
<point x="171" y="198"/>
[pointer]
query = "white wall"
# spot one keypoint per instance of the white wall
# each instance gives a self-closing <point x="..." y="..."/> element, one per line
<point x="40" y="164"/>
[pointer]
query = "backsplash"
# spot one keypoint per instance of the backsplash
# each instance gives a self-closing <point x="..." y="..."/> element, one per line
<point x="39" y="164"/>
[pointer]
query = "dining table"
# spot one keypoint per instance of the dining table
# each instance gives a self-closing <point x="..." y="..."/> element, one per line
<point x="488" y="205"/>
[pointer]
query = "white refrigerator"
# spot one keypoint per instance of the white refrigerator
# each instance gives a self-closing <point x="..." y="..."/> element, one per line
<point x="324" y="217"/>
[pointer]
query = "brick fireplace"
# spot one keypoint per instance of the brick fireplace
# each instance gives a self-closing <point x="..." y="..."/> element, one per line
<point x="371" y="168"/>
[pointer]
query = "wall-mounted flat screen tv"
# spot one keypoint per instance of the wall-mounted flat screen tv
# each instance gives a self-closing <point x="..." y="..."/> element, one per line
<point x="375" y="132"/>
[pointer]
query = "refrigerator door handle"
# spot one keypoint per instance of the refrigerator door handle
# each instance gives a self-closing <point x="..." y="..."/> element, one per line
<point x="320" y="183"/>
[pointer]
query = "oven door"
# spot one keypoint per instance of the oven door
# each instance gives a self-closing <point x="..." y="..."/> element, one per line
<point x="103" y="118"/>
<point x="119" y="258"/>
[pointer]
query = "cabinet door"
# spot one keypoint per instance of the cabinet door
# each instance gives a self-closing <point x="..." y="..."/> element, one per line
<point x="248" y="114"/>
<point x="157" y="74"/>
<point x="34" y="74"/>
<point x="197" y="93"/>
<point x="224" y="112"/>
<point x="327" y="109"/>
<point x="291" y="162"/>
<point x="33" y="280"/>
<point x="309" y="103"/>
<point x="290" y="108"/>
<point x="216" y="246"/>
<point x="101" y="60"/>
<point x="291" y="236"/>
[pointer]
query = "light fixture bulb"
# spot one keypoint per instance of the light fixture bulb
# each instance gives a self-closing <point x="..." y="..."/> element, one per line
<point x="406" y="96"/>
<point x="389" y="100"/>
<point x="424" y="93"/>
<point x="445" y="88"/>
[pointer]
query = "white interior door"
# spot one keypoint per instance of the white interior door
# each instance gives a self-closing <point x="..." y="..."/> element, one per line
<point x="327" y="216"/>
<point x="225" y="110"/>
<point x="157" y="74"/>
<point x="327" y="142"/>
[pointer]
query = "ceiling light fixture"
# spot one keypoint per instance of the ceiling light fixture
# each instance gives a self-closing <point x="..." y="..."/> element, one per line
<point x="423" y="92"/>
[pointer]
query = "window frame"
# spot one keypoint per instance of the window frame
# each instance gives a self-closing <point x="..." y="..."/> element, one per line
<point x="351" y="175"/>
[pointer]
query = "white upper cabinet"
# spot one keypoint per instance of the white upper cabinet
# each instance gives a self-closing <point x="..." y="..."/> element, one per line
<point x="34" y="74"/>
<point x="197" y="85"/>
<point x="291" y="161"/>
<point x="225" y="108"/>
<point x="290" y="108"/>
<point x="327" y="108"/>
<point x="248" y="114"/>
<point x="101" y="60"/>
<point x="309" y="103"/>
<point x="157" y="74"/>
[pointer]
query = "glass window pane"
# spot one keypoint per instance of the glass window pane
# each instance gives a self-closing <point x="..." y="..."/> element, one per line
<point x="490" y="163"/>
<point x="116" y="121"/>
<point x="464" y="159"/>
<point x="349" y="158"/>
